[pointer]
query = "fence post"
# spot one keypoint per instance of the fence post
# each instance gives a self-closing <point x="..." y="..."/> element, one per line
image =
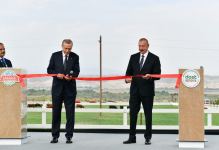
<point x="44" y="115"/>
<point x="125" y="115"/>
<point x="209" y="120"/>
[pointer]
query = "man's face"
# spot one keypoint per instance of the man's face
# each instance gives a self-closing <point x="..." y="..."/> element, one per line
<point x="66" y="48"/>
<point x="143" y="46"/>
<point x="2" y="50"/>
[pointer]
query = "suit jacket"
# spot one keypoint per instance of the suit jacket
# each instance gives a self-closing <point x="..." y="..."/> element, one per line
<point x="7" y="61"/>
<point x="56" y="66"/>
<point x="144" y="87"/>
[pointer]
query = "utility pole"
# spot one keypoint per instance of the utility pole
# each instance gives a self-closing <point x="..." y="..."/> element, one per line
<point x="101" y="90"/>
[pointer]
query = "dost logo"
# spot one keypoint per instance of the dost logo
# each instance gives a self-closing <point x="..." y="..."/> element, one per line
<point x="191" y="78"/>
<point x="9" y="78"/>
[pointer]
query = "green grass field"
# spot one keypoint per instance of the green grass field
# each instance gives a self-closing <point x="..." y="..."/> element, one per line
<point x="116" y="118"/>
<point x="155" y="106"/>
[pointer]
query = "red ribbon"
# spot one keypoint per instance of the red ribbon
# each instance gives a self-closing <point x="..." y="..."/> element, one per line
<point x="106" y="78"/>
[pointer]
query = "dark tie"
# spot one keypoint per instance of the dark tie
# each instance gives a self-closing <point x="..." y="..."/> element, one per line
<point x="3" y="63"/>
<point x="65" y="62"/>
<point x="142" y="62"/>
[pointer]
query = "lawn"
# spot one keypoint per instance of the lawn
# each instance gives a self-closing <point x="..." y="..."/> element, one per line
<point x="114" y="118"/>
<point x="155" y="106"/>
<point x="108" y="118"/>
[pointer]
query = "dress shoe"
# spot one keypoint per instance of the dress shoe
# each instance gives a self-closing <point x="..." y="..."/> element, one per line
<point x="147" y="141"/>
<point x="130" y="141"/>
<point x="54" y="140"/>
<point x="68" y="140"/>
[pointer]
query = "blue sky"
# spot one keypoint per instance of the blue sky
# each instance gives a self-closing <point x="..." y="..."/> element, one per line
<point x="184" y="34"/>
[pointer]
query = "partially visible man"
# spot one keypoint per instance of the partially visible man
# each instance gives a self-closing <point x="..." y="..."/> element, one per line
<point x="142" y="88"/>
<point x="4" y="63"/>
<point x="65" y="64"/>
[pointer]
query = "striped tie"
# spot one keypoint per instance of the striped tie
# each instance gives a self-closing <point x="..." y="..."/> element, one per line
<point x="141" y="62"/>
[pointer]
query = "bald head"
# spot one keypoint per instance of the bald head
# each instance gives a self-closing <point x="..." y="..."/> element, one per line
<point x="143" y="45"/>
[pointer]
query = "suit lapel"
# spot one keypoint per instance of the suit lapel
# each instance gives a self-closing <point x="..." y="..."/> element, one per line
<point x="137" y="62"/>
<point x="70" y="59"/>
<point x="60" y="60"/>
<point x="7" y="62"/>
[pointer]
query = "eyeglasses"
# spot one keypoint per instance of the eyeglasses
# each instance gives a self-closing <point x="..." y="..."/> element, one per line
<point x="2" y="49"/>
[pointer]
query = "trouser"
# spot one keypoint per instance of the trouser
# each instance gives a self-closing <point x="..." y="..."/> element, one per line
<point x="135" y="105"/>
<point x="69" y="102"/>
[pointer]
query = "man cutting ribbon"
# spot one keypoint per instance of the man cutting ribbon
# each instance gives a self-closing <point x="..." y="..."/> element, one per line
<point x="142" y="88"/>
<point x="66" y="65"/>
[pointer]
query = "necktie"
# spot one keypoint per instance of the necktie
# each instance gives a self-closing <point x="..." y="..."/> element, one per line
<point x="3" y="63"/>
<point x="65" y="62"/>
<point x="141" y="62"/>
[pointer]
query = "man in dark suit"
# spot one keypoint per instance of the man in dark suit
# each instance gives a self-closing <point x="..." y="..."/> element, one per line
<point x="142" y="88"/>
<point x="4" y="63"/>
<point x="66" y="65"/>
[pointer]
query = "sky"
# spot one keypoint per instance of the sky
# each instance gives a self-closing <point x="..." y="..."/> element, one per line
<point x="184" y="34"/>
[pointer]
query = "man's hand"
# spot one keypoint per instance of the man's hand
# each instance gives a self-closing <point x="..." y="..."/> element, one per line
<point x="68" y="78"/>
<point x="128" y="80"/>
<point x="60" y="76"/>
<point x="147" y="76"/>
